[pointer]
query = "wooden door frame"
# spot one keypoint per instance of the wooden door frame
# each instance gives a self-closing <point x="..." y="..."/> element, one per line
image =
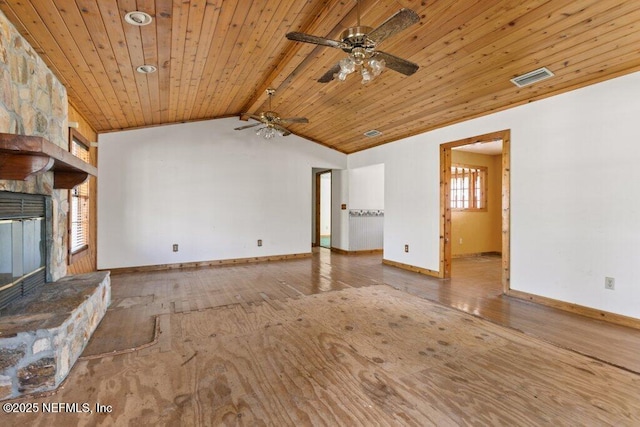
<point x="318" y="205"/>
<point x="445" y="202"/>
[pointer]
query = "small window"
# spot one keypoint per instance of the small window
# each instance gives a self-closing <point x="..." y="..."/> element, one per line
<point x="468" y="187"/>
<point x="79" y="200"/>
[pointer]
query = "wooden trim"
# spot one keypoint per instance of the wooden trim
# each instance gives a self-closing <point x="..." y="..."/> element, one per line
<point x="88" y="263"/>
<point x="445" y="212"/>
<point x="77" y="255"/>
<point x="339" y="251"/>
<point x="317" y="230"/>
<point x="74" y="256"/>
<point x="445" y="204"/>
<point x="506" y="211"/>
<point x="214" y="263"/>
<point x="484" y="199"/>
<point x="16" y="150"/>
<point x="593" y="313"/>
<point x="413" y="268"/>
<point x="20" y="167"/>
<point x="361" y="252"/>
<point x="478" y="254"/>
<point x="319" y="203"/>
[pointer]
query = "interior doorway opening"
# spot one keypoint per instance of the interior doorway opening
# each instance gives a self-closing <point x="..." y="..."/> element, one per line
<point x="323" y="209"/>
<point x="475" y="213"/>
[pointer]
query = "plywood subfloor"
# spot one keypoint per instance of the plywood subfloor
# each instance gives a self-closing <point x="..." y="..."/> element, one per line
<point x="475" y="287"/>
<point x="359" y="356"/>
<point x="122" y="330"/>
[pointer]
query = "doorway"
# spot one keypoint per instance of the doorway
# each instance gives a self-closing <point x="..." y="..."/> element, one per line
<point x="323" y="209"/>
<point x="464" y="187"/>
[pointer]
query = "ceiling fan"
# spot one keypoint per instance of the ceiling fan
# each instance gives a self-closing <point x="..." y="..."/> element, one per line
<point x="272" y="121"/>
<point x="360" y="43"/>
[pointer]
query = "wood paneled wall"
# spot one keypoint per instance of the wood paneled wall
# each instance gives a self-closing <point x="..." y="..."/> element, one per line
<point x="87" y="262"/>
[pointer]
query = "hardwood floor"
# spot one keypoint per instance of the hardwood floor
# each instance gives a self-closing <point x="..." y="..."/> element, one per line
<point x="475" y="288"/>
<point x="327" y="341"/>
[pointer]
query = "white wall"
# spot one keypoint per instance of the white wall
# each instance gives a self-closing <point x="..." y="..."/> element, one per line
<point x="325" y="204"/>
<point x="366" y="187"/>
<point x="574" y="181"/>
<point x="210" y="189"/>
<point x="339" y="216"/>
<point x="411" y="191"/>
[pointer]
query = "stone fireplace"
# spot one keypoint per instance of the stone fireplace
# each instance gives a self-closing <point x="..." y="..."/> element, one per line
<point x="43" y="333"/>
<point x="47" y="316"/>
<point x="25" y="241"/>
<point x="34" y="102"/>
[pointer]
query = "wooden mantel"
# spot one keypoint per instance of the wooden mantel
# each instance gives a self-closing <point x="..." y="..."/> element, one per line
<point x="23" y="156"/>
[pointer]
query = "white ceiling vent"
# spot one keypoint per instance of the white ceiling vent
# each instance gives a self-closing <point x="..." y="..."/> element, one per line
<point x="371" y="133"/>
<point x="532" y="77"/>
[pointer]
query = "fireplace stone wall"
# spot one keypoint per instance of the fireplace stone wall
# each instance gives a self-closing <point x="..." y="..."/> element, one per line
<point x="43" y="333"/>
<point x="34" y="102"/>
<point x="46" y="332"/>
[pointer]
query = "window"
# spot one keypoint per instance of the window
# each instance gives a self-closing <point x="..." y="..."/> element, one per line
<point x="79" y="200"/>
<point x="468" y="187"/>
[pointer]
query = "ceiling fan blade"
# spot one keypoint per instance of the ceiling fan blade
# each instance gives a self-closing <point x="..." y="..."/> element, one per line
<point x="396" y="23"/>
<point x="398" y="64"/>
<point x="284" y="131"/>
<point x="294" y="120"/>
<point x="255" y="117"/>
<point x="308" y="38"/>
<point x="247" y="126"/>
<point x="329" y="75"/>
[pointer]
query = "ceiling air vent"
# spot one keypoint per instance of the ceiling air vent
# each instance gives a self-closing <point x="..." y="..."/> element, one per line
<point x="372" y="133"/>
<point x="532" y="77"/>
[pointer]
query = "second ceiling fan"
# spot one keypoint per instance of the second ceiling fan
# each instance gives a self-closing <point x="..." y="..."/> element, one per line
<point x="360" y="43"/>
<point x="273" y="123"/>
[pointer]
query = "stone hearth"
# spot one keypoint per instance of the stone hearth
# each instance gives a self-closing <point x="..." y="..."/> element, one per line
<point x="44" y="333"/>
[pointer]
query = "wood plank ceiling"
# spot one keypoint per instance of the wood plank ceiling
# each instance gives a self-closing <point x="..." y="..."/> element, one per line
<point x="216" y="58"/>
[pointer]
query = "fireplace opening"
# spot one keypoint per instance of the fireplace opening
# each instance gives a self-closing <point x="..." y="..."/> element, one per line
<point x="25" y="230"/>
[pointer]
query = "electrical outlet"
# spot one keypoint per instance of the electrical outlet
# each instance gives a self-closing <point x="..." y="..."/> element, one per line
<point x="175" y="247"/>
<point x="609" y="283"/>
<point x="259" y="242"/>
<point x="461" y="240"/>
<point x="406" y="248"/>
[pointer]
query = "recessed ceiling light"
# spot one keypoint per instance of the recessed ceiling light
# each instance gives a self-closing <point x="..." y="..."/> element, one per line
<point x="138" y="18"/>
<point x="146" y="69"/>
<point x="371" y="133"/>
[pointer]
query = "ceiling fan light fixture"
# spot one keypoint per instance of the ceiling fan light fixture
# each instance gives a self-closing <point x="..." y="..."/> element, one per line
<point x="377" y="66"/>
<point x="359" y="55"/>
<point x="347" y="66"/>
<point x="272" y="123"/>
<point x="367" y="76"/>
<point x="138" y="18"/>
<point x="268" y="132"/>
<point x="360" y="44"/>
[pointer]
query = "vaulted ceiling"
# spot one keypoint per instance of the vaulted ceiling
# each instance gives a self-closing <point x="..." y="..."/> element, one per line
<point x="216" y="58"/>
